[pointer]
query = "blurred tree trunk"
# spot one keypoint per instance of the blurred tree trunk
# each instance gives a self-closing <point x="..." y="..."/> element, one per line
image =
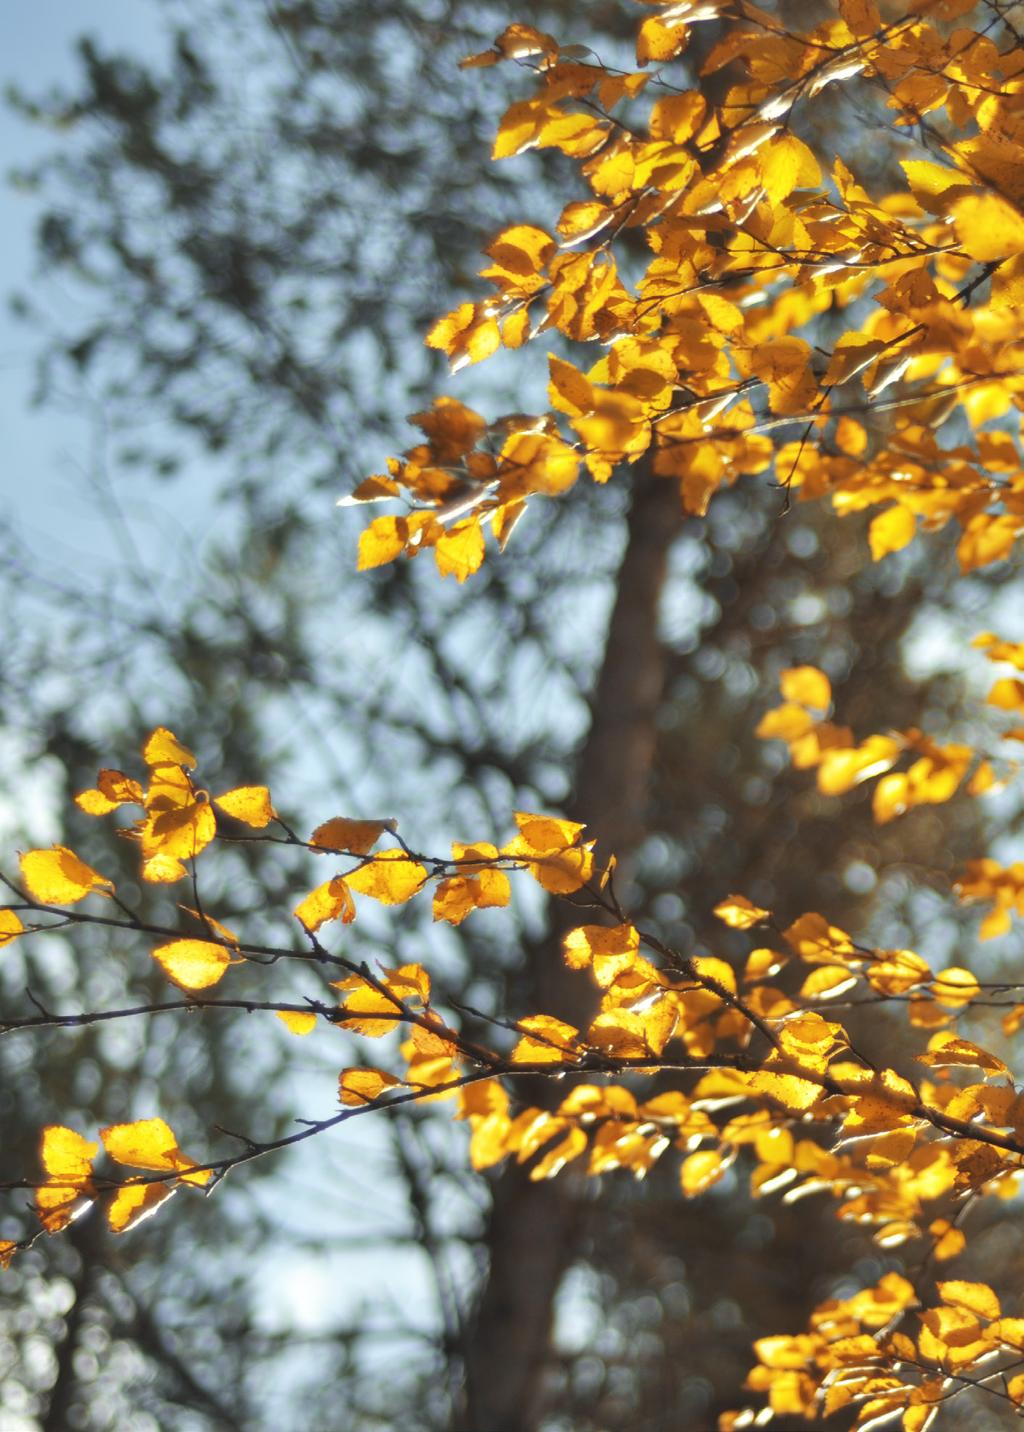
<point x="530" y="1235"/>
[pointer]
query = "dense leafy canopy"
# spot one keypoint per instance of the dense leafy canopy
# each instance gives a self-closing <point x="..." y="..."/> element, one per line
<point x="707" y="246"/>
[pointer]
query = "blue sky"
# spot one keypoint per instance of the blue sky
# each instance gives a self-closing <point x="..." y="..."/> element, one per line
<point x="47" y="449"/>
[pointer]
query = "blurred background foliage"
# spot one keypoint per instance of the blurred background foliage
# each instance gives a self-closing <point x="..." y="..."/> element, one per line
<point x="240" y="246"/>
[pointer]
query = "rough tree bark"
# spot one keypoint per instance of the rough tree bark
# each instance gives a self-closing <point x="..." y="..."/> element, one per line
<point x="530" y="1234"/>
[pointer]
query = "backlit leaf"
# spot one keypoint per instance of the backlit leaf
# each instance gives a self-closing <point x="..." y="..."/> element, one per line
<point x="249" y="804"/>
<point x="193" y="964"/>
<point x="58" y="877"/>
<point x="391" y="877"/>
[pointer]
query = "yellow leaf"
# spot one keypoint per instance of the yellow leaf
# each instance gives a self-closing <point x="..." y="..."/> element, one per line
<point x="249" y="804"/>
<point x="382" y="541"/>
<point x="10" y="927"/>
<point x="362" y="1086"/>
<point x="842" y="769"/>
<point x="659" y="41"/>
<point x="355" y="836"/>
<point x="807" y="686"/>
<point x="391" y="877"/>
<point x="8" y="1248"/>
<point x="66" y="1156"/>
<point x="476" y="887"/>
<point x="460" y="551"/>
<point x="151" y="1144"/>
<point x="58" y="1203"/>
<point x="701" y="1170"/>
<point x="949" y="1240"/>
<point x="740" y="913"/>
<point x="816" y="941"/>
<point x="828" y="982"/>
<point x="1007" y="694"/>
<point x="891" y="531"/>
<point x="546" y="1040"/>
<point x="134" y="1202"/>
<point x="329" y="901"/>
<point x="988" y="227"/>
<point x="162" y="748"/>
<point x="113" y="788"/>
<point x="180" y="832"/>
<point x="297" y="1021"/>
<point x="556" y="1157"/>
<point x="163" y="869"/>
<point x="58" y="877"/>
<point x="535" y="462"/>
<point x="955" y="987"/>
<point x="977" y="1298"/>
<point x="193" y="964"/>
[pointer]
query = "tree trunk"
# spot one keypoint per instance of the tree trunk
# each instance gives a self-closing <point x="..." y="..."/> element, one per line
<point x="532" y="1226"/>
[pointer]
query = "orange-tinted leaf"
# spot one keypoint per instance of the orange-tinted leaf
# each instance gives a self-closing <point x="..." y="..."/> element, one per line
<point x="362" y="1086"/>
<point x="355" y="836"/>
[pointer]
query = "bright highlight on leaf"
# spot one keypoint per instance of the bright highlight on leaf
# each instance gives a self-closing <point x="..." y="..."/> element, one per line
<point x="150" y="1144"/>
<point x="10" y="927"/>
<point x="390" y="877"/>
<point x="58" y="877"/>
<point x="193" y="964"/>
<point x="329" y="901"/>
<point x="249" y="804"/>
<point x="362" y="1086"/>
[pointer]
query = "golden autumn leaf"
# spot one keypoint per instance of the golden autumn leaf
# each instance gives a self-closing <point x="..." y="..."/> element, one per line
<point x="10" y="927"/>
<point x="59" y="877"/>
<point x="162" y="748"/>
<point x="891" y="531"/>
<point x="329" y="901"/>
<point x="460" y="551"/>
<point x="113" y="788"/>
<point x="66" y="1155"/>
<point x="807" y="686"/>
<point x="135" y="1201"/>
<point x="477" y="886"/>
<point x="362" y="1086"/>
<point x="977" y="1298"/>
<point x="297" y="1021"/>
<point x="700" y="1170"/>
<point x="740" y="913"/>
<point x="545" y="1040"/>
<point x="179" y="831"/>
<point x="193" y="964"/>
<point x="249" y="804"/>
<point x="988" y="227"/>
<point x="357" y="837"/>
<point x="151" y="1144"/>
<point x="390" y="877"/>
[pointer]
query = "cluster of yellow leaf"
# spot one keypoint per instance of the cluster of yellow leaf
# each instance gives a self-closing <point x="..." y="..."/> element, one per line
<point x="886" y="1359"/>
<point x="935" y="772"/>
<point x="71" y="1186"/>
<point x="711" y="351"/>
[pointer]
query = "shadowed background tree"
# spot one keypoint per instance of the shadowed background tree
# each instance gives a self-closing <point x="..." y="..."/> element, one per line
<point x="258" y="230"/>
